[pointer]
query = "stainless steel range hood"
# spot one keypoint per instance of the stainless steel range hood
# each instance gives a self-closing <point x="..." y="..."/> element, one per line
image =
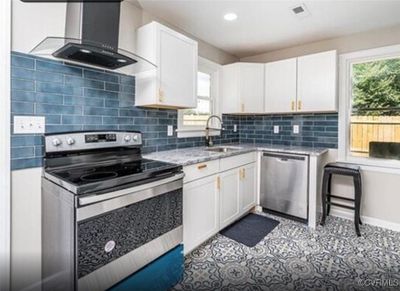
<point x="91" y="38"/>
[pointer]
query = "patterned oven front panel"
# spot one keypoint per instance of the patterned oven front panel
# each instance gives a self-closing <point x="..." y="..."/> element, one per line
<point x="107" y="237"/>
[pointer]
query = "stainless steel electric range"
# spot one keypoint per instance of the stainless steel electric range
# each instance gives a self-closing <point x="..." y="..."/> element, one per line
<point x="107" y="212"/>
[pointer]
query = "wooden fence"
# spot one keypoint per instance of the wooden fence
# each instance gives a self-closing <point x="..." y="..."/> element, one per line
<point x="364" y="129"/>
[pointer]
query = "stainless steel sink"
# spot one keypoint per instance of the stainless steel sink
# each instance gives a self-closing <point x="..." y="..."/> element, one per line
<point x="223" y="149"/>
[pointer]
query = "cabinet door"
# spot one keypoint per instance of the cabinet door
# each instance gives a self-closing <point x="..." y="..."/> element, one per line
<point x="229" y="197"/>
<point x="230" y="102"/>
<point x="316" y="82"/>
<point x="280" y="86"/>
<point x="248" y="187"/>
<point x="177" y="69"/>
<point x="251" y="88"/>
<point x="200" y="211"/>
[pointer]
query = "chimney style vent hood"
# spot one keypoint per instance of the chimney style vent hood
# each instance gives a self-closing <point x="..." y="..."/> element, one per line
<point x="91" y="38"/>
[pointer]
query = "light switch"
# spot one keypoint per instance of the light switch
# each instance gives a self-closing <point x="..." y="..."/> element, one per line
<point x="296" y="129"/>
<point x="276" y="128"/>
<point x="29" y="124"/>
<point x="170" y="130"/>
<point x="235" y="128"/>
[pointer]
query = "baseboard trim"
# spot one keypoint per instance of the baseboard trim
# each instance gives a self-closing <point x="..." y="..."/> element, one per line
<point x="366" y="219"/>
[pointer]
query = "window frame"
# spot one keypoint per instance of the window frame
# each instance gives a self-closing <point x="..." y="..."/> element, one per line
<point x="213" y="69"/>
<point x="345" y="94"/>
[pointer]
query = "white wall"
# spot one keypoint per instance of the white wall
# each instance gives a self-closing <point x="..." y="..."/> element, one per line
<point x="380" y="200"/>
<point x="33" y="22"/>
<point x="26" y="229"/>
<point x="350" y="43"/>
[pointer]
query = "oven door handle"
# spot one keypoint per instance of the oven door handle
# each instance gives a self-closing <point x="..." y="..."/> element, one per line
<point x="101" y="197"/>
<point x="101" y="204"/>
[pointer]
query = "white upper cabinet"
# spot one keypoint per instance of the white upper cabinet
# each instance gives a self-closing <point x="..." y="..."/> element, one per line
<point x="281" y="86"/>
<point x="303" y="84"/>
<point x="174" y="83"/>
<point x="242" y="88"/>
<point x="316" y="82"/>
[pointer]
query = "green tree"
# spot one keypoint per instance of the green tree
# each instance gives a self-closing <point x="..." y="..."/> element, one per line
<point x="376" y="88"/>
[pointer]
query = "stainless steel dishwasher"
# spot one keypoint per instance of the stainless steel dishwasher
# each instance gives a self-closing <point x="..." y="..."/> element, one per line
<point x="284" y="184"/>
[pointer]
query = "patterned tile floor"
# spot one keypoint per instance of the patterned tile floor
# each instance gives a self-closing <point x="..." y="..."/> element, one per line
<point x="294" y="257"/>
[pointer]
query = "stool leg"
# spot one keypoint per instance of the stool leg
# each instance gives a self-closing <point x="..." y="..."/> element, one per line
<point x="328" y="196"/>
<point x="357" y="193"/>
<point x="324" y="191"/>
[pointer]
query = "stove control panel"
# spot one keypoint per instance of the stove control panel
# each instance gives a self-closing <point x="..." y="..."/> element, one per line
<point x="91" y="140"/>
<point x="110" y="137"/>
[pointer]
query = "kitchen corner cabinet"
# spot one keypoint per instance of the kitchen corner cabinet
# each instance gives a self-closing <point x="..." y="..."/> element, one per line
<point x="237" y="193"/>
<point x="173" y="83"/>
<point x="248" y="187"/>
<point x="215" y="194"/>
<point x="242" y="88"/>
<point x="229" y="197"/>
<point x="303" y="84"/>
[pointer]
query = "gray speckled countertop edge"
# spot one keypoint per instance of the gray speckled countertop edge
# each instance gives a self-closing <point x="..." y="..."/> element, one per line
<point x="194" y="155"/>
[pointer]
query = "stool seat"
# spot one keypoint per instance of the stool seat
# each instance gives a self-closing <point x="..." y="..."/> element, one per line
<point x="344" y="167"/>
<point x="344" y="170"/>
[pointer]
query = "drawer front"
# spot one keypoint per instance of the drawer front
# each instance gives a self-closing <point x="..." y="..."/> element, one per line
<point x="200" y="170"/>
<point x="237" y="161"/>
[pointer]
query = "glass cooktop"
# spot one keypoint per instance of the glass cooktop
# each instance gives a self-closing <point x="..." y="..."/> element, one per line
<point x="107" y="175"/>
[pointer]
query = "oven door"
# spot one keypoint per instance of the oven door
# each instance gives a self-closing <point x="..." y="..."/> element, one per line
<point x="118" y="236"/>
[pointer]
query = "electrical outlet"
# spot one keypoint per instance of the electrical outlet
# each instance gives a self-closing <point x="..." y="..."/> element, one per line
<point x="29" y="124"/>
<point x="296" y="129"/>
<point x="170" y="130"/>
<point x="235" y="128"/>
<point x="276" y="128"/>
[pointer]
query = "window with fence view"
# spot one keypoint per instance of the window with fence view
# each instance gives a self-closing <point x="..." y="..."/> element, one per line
<point x="198" y="116"/>
<point x="375" y="115"/>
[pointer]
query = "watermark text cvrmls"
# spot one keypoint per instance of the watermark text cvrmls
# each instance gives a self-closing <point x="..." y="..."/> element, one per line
<point x="380" y="283"/>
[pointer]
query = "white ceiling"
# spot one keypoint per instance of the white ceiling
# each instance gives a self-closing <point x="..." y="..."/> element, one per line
<point x="266" y="25"/>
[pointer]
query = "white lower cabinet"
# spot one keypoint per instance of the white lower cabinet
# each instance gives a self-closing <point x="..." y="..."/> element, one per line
<point x="210" y="203"/>
<point x="200" y="211"/>
<point x="248" y="187"/>
<point x="229" y="197"/>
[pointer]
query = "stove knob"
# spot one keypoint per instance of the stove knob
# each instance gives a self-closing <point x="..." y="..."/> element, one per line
<point x="127" y="138"/>
<point x="135" y="138"/>
<point x="70" y="141"/>
<point x="56" y="142"/>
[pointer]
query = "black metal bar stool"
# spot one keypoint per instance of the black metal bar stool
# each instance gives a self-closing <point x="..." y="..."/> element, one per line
<point x="345" y="170"/>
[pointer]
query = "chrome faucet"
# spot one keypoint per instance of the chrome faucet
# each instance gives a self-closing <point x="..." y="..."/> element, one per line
<point x="209" y="141"/>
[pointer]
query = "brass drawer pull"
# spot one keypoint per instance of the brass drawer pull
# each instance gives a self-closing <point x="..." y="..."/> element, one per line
<point x="299" y="105"/>
<point x="292" y="105"/>
<point x="201" y="166"/>
<point x="218" y="183"/>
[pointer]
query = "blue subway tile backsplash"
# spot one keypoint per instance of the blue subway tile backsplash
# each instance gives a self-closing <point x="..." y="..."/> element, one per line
<point x="315" y="130"/>
<point x="75" y="98"/>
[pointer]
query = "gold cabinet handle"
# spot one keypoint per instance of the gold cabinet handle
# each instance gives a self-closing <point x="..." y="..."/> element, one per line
<point x="201" y="166"/>
<point x="242" y="174"/>
<point x="299" y="105"/>
<point x="218" y="183"/>
<point x="160" y="95"/>
<point x="242" y="107"/>
<point x="293" y="104"/>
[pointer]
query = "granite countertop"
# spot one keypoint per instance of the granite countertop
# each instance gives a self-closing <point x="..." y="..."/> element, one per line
<point x="189" y="156"/>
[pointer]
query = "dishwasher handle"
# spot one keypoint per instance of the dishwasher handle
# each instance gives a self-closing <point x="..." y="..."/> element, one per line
<point x="285" y="157"/>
